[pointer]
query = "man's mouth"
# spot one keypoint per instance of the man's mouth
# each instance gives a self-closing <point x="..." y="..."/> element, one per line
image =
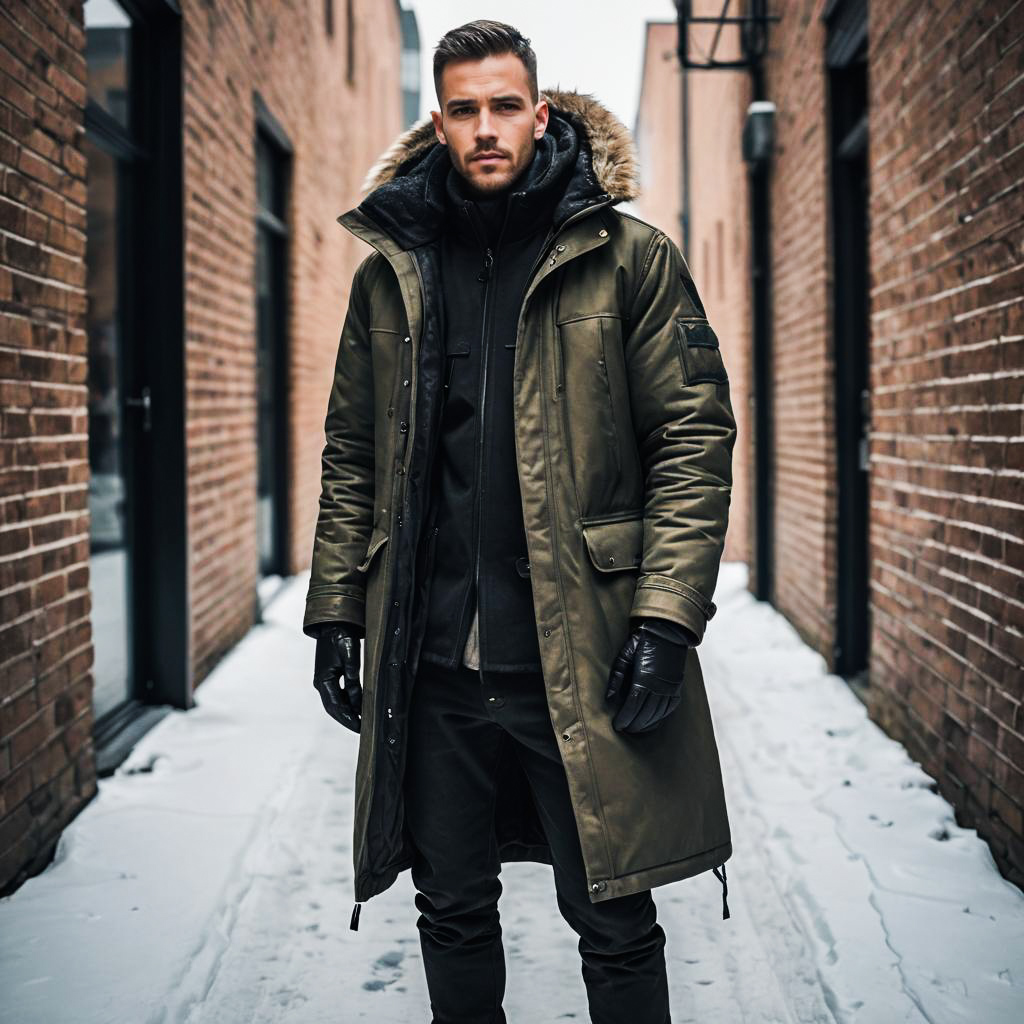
<point x="489" y="157"/>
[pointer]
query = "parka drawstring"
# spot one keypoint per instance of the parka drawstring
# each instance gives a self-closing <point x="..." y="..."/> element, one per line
<point x="354" y="923"/>
<point x="725" y="891"/>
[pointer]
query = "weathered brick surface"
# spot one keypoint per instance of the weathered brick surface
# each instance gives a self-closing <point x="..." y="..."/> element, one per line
<point x="46" y="755"/>
<point x="337" y="128"/>
<point x="946" y="151"/>
<point x="804" y="454"/>
<point x="947" y="378"/>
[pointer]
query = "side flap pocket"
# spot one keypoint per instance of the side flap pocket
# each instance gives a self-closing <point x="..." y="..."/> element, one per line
<point x="615" y="545"/>
<point x="377" y="540"/>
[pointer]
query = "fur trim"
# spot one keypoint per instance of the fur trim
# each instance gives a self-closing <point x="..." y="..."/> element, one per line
<point x="614" y="153"/>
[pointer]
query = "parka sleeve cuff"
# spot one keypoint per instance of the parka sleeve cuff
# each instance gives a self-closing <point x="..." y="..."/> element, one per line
<point x="667" y="598"/>
<point x="337" y="607"/>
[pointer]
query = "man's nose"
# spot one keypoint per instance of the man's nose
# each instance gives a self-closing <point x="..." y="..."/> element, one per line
<point x="485" y="125"/>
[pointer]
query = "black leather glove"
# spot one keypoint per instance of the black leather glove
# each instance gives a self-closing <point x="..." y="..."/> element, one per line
<point x="337" y="657"/>
<point x="649" y="668"/>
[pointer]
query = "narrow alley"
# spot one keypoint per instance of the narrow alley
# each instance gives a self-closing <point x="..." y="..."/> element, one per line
<point x="210" y="881"/>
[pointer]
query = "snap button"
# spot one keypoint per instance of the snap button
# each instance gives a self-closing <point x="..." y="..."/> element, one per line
<point x="560" y="248"/>
<point x="405" y="383"/>
<point x="599" y="887"/>
<point x="403" y="426"/>
<point x="400" y="471"/>
<point x="407" y="339"/>
<point x="602" y="233"/>
<point x="611" y="559"/>
<point x="547" y="632"/>
<point x="566" y="736"/>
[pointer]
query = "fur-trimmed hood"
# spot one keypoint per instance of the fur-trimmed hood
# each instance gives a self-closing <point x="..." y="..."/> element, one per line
<point x="610" y="143"/>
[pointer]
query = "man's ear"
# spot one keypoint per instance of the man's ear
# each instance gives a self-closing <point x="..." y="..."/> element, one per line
<point x="541" y="114"/>
<point x="435" y="116"/>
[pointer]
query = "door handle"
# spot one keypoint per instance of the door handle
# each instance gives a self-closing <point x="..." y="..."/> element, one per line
<point x="145" y="402"/>
<point x="863" y="453"/>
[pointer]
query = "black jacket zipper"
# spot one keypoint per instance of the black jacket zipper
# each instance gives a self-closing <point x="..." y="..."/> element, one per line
<point x="485" y="277"/>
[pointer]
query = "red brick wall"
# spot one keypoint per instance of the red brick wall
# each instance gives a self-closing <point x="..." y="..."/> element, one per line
<point x="46" y="757"/>
<point x="804" y="455"/>
<point x="946" y="152"/>
<point x="947" y="495"/>
<point x="341" y="146"/>
<point x="337" y="129"/>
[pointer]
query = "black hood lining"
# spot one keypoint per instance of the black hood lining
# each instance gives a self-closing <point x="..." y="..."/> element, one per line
<point x="410" y="207"/>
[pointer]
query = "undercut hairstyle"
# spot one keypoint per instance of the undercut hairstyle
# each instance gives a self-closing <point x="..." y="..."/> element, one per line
<point x="484" y="38"/>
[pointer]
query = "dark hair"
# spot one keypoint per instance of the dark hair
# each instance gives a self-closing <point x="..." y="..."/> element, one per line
<point x="484" y="38"/>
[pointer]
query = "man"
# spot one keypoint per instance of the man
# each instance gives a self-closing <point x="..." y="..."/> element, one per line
<point x="526" y="486"/>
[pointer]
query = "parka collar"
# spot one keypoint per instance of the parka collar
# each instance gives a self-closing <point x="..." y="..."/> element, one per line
<point x="406" y="199"/>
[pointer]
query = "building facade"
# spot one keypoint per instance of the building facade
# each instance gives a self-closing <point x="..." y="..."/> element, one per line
<point x="869" y="266"/>
<point x="172" y="287"/>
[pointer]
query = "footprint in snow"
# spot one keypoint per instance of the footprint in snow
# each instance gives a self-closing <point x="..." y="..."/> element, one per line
<point x="388" y="968"/>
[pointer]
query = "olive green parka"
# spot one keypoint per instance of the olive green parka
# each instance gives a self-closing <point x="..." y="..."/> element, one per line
<point x="624" y="433"/>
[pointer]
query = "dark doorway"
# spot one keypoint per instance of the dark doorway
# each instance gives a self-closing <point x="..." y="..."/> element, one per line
<point x="135" y="369"/>
<point x="273" y="154"/>
<point x="848" y="109"/>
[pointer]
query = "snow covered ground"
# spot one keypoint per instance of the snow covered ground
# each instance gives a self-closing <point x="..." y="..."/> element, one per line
<point x="210" y="880"/>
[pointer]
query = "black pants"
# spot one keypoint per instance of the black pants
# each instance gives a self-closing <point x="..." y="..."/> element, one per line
<point x="459" y="721"/>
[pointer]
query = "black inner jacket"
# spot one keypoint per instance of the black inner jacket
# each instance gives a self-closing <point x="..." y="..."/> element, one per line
<point x="488" y="250"/>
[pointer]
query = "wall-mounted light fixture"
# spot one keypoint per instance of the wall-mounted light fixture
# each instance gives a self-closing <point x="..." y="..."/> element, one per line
<point x="759" y="132"/>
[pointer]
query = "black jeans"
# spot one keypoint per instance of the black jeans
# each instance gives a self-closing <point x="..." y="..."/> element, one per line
<point x="459" y="721"/>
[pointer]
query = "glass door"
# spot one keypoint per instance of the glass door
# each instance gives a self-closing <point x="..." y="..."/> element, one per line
<point x="134" y="327"/>
<point x="108" y="49"/>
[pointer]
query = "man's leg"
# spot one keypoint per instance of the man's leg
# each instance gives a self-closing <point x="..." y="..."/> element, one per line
<point x="621" y="944"/>
<point x="450" y="788"/>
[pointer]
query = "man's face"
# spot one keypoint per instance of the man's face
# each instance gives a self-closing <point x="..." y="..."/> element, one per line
<point x="488" y="121"/>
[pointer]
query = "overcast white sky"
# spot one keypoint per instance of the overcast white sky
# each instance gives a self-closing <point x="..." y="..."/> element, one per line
<point x="594" y="47"/>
